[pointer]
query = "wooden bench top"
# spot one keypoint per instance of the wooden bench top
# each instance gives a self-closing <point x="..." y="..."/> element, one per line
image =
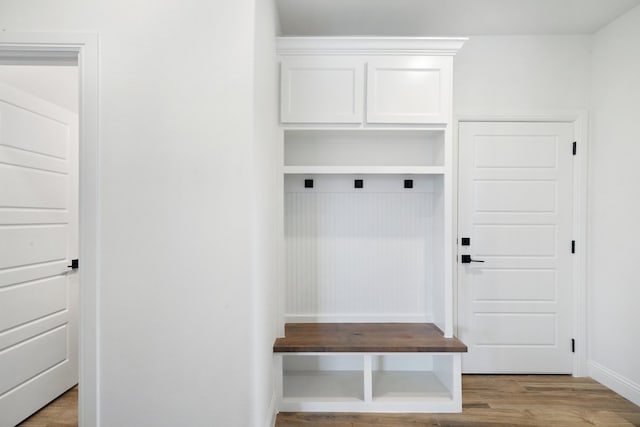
<point x="366" y="338"/>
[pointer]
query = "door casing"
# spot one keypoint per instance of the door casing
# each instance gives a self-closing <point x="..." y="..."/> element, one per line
<point x="579" y="119"/>
<point x="50" y="48"/>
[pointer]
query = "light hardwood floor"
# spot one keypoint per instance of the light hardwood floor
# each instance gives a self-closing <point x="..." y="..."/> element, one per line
<point x="489" y="400"/>
<point x="501" y="400"/>
<point x="62" y="412"/>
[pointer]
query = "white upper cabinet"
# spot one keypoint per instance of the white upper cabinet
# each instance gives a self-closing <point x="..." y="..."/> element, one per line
<point x="409" y="90"/>
<point x="322" y="90"/>
<point x="408" y="81"/>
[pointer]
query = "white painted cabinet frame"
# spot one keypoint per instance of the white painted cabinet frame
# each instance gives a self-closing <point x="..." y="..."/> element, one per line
<point x="408" y="81"/>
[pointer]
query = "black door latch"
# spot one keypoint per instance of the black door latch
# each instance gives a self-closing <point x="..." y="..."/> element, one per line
<point x="74" y="264"/>
<point x="466" y="259"/>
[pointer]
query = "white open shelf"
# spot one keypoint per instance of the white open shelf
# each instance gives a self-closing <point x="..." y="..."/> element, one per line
<point x="364" y="170"/>
<point x="408" y="386"/>
<point x="335" y="386"/>
<point x="323" y="386"/>
<point x="350" y="149"/>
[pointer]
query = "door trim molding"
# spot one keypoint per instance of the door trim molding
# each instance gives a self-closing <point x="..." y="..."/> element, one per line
<point x="61" y="48"/>
<point x="579" y="119"/>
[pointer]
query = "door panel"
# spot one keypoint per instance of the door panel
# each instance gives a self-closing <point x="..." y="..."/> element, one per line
<point x="515" y="240"/>
<point x="515" y="205"/>
<point x="515" y="285"/>
<point x="32" y="244"/>
<point x="38" y="238"/>
<point x="515" y="196"/>
<point x="39" y="298"/>
<point x="32" y="357"/>
<point x="524" y="151"/>
<point x="33" y="132"/>
<point x="46" y="189"/>
<point x="510" y="329"/>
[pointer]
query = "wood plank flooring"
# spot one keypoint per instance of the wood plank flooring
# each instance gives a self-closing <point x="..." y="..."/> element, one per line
<point x="62" y="412"/>
<point x="488" y="400"/>
<point x="366" y="337"/>
<point x="502" y="400"/>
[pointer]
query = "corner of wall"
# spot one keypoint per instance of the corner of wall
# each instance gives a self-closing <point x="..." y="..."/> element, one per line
<point x="613" y="212"/>
<point x="266" y="190"/>
<point x="616" y="382"/>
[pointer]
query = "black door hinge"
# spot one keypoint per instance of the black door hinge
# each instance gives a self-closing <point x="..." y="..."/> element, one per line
<point x="573" y="246"/>
<point x="573" y="345"/>
<point x="575" y="147"/>
<point x="74" y="264"/>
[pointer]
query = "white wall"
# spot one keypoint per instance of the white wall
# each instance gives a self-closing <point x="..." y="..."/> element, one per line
<point x="176" y="191"/>
<point x="614" y="287"/>
<point x="522" y="75"/>
<point x="268" y="280"/>
<point x="54" y="83"/>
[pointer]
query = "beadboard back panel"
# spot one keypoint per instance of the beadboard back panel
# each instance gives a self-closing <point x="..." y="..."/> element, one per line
<point x="359" y="254"/>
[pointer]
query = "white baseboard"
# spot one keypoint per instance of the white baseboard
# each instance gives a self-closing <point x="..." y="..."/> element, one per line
<point x="357" y="318"/>
<point x="616" y="382"/>
<point x="271" y="411"/>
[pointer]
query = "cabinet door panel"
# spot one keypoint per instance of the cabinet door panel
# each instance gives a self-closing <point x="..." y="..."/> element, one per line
<point x="322" y="90"/>
<point x="412" y="90"/>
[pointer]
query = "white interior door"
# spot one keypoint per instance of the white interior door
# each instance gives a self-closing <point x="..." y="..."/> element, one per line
<point x="38" y="239"/>
<point x="515" y="206"/>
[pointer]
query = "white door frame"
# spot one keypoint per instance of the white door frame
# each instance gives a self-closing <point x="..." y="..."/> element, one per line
<point x="579" y="119"/>
<point x="42" y="48"/>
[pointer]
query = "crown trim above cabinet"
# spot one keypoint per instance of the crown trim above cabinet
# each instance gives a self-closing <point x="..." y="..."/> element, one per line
<point x="370" y="45"/>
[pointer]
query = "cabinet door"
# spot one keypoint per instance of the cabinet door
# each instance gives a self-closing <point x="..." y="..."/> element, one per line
<point x="412" y="90"/>
<point x="322" y="90"/>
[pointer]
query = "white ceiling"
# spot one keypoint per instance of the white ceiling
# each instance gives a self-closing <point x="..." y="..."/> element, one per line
<point x="446" y="17"/>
